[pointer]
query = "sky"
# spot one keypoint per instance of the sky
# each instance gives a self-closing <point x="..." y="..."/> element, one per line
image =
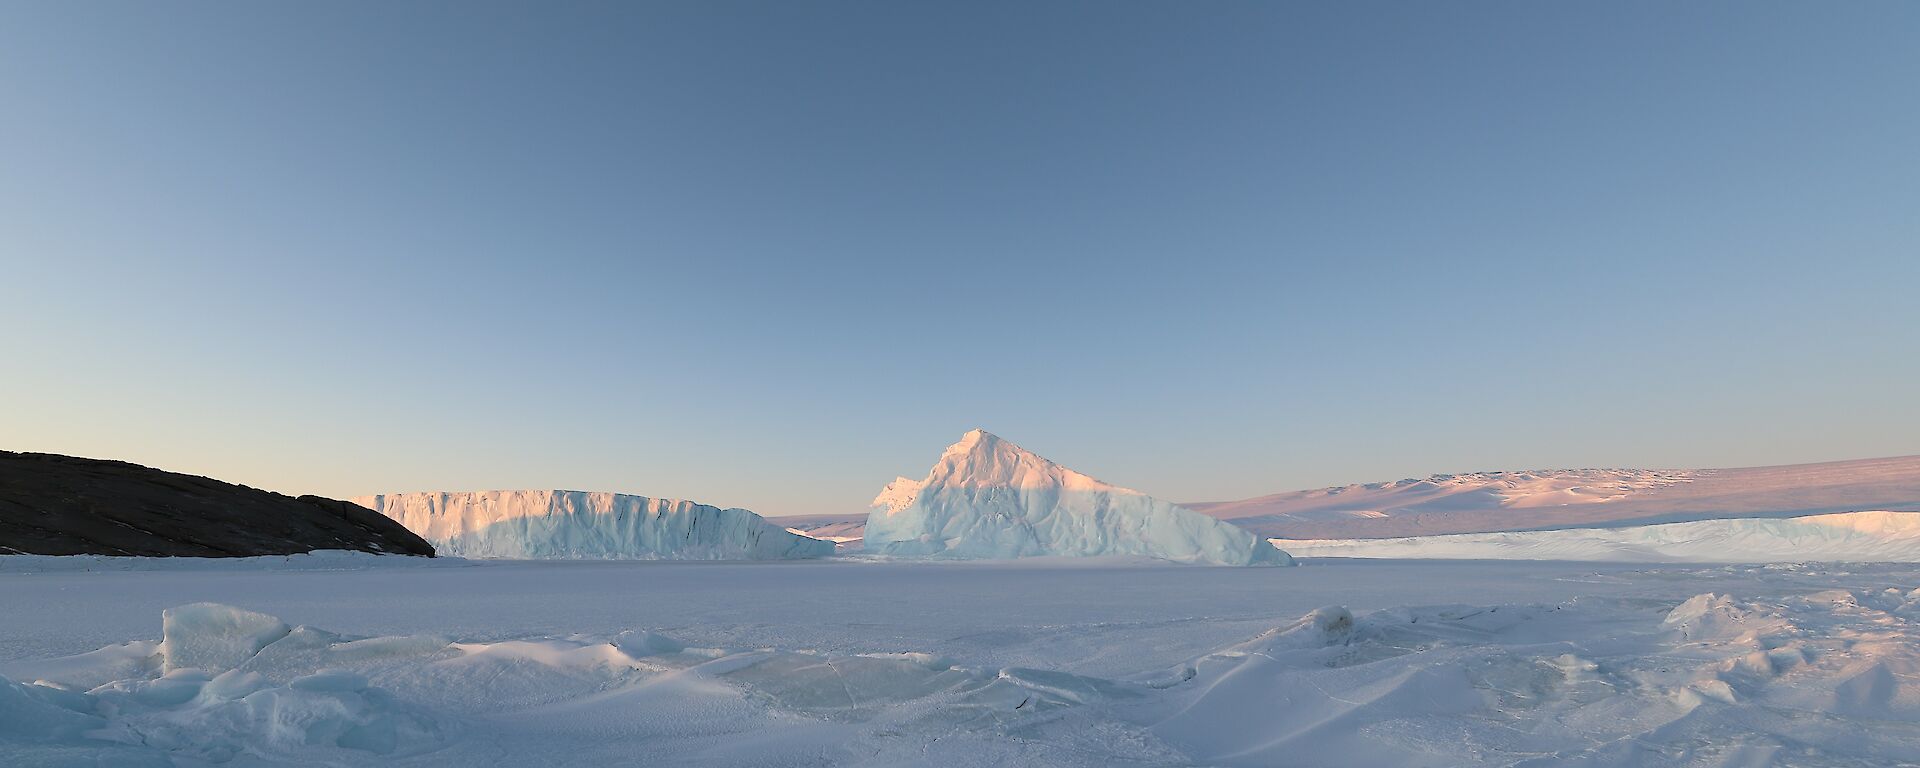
<point x="772" y="254"/>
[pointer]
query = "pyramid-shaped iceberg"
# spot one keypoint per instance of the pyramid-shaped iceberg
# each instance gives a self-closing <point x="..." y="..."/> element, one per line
<point x="989" y="498"/>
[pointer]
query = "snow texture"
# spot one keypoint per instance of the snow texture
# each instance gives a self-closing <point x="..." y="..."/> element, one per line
<point x="579" y="525"/>
<point x="989" y="498"/>
<point x="1841" y="537"/>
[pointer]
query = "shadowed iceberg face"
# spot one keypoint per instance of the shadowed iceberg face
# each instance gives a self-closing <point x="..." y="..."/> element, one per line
<point x="594" y="526"/>
<point x="988" y="498"/>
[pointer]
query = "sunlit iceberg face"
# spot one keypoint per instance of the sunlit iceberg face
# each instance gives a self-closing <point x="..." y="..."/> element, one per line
<point x="539" y="525"/>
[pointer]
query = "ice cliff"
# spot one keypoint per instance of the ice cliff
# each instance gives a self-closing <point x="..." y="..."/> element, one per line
<point x="540" y="525"/>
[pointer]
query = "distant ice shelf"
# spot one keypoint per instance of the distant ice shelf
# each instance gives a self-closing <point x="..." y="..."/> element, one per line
<point x="1486" y="502"/>
<point x="1878" y="536"/>
<point x="541" y="525"/>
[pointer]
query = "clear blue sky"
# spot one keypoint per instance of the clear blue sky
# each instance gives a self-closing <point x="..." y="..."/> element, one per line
<point x="771" y="254"/>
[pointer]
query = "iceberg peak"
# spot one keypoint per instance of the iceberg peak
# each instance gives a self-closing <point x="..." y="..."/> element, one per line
<point x="976" y="441"/>
<point x="982" y="459"/>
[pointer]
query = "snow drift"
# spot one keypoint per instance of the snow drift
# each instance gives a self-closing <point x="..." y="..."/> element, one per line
<point x="538" y="525"/>
<point x="988" y="498"/>
<point x="1843" y="537"/>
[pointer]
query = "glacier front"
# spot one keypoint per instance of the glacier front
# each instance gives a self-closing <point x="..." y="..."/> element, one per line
<point x="541" y="525"/>
<point x="988" y="498"/>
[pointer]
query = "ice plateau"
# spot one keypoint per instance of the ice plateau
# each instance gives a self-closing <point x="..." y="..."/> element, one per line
<point x="538" y="525"/>
<point x="989" y="498"/>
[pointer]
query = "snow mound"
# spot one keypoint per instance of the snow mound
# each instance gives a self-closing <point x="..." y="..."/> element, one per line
<point x="988" y="498"/>
<point x="538" y="525"/>
<point x="1841" y="537"/>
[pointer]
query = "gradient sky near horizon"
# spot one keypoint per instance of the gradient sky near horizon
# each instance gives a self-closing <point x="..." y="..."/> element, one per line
<point x="772" y="254"/>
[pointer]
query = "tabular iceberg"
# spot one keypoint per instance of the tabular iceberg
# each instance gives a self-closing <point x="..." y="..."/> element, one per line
<point x="988" y="498"/>
<point x="540" y="525"/>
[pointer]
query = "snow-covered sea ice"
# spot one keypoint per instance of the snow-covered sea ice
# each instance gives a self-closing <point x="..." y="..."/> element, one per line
<point x="904" y="662"/>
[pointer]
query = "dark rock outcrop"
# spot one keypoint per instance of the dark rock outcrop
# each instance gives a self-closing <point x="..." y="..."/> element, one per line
<point x="64" y="505"/>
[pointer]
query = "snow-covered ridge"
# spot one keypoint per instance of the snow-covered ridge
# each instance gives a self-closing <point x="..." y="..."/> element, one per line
<point x="988" y="498"/>
<point x="1480" y="502"/>
<point x="1842" y="537"/>
<point x="582" y="525"/>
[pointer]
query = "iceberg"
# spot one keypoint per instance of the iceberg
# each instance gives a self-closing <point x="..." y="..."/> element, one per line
<point x="541" y="525"/>
<point x="989" y="498"/>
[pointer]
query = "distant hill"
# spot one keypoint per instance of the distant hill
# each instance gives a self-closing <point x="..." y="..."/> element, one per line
<point x="64" y="505"/>
<point x="1483" y="502"/>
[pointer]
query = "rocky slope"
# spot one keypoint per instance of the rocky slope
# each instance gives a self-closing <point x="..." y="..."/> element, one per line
<point x="64" y="505"/>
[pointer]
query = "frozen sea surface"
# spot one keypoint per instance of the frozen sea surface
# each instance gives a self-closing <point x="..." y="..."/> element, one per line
<point x="1059" y="662"/>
